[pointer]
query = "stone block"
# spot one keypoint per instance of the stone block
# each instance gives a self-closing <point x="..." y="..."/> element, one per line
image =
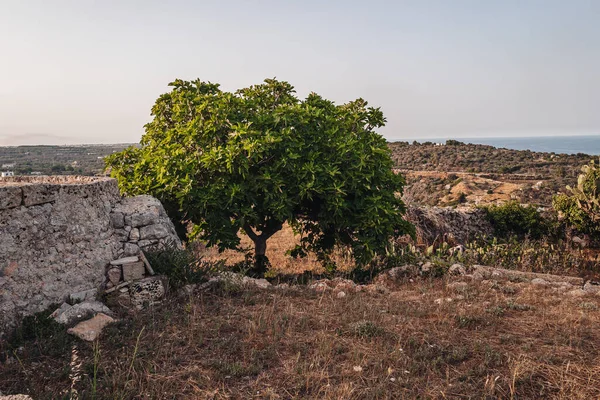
<point x="139" y="219"/>
<point x="114" y="275"/>
<point x="156" y="231"/>
<point x="10" y="196"/>
<point x="147" y="292"/>
<point x="134" y="234"/>
<point x="125" y="260"/>
<point x="133" y="271"/>
<point x="39" y="194"/>
<point x="90" y="330"/>
<point x="117" y="220"/>
<point x="130" y="249"/>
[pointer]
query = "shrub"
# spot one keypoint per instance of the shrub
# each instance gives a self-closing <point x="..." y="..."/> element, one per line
<point x="182" y="266"/>
<point x="512" y="218"/>
<point x="581" y="209"/>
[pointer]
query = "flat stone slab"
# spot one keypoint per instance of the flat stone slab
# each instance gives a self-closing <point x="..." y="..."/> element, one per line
<point x="133" y="271"/>
<point x="125" y="260"/>
<point x="90" y="330"/>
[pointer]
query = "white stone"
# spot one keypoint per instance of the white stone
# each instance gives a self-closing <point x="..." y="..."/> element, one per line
<point x="134" y="234"/>
<point x="341" y="295"/>
<point x="125" y="260"/>
<point x="457" y="269"/>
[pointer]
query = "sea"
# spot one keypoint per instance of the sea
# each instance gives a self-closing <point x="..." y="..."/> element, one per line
<point x="589" y="144"/>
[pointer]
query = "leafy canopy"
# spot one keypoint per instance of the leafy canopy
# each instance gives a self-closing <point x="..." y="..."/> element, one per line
<point x="257" y="158"/>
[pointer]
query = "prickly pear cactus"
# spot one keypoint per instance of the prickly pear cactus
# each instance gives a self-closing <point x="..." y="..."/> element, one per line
<point x="581" y="207"/>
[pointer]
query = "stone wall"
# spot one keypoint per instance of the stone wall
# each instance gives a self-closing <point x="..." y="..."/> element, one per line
<point x="58" y="234"/>
<point x="435" y="225"/>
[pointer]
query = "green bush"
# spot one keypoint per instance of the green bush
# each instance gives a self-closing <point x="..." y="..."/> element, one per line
<point x="581" y="208"/>
<point x="512" y="218"/>
<point x="181" y="266"/>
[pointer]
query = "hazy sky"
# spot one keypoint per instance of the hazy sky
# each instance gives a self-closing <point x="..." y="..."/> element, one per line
<point x="89" y="71"/>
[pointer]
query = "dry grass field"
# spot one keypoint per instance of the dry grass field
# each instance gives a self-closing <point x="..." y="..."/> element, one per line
<point x="421" y="339"/>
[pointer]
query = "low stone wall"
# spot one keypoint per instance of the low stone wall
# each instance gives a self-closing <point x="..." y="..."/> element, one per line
<point x="58" y="234"/>
<point x="451" y="225"/>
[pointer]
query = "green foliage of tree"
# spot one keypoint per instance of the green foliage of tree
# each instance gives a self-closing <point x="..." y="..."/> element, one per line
<point x="581" y="208"/>
<point x="259" y="157"/>
<point x="512" y="218"/>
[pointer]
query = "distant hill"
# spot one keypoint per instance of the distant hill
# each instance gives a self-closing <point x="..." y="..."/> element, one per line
<point x="448" y="174"/>
<point x="475" y="173"/>
<point x="58" y="160"/>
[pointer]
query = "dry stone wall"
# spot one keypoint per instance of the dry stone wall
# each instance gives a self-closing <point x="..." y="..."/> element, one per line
<point x="58" y="235"/>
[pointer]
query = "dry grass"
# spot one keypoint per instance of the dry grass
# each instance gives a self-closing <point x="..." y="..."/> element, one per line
<point x="277" y="247"/>
<point x="492" y="340"/>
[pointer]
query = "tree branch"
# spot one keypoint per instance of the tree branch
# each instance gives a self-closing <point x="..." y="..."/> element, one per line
<point x="251" y="234"/>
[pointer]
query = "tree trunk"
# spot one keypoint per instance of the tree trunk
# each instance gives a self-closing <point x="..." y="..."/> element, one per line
<point x="261" y="262"/>
<point x="260" y="259"/>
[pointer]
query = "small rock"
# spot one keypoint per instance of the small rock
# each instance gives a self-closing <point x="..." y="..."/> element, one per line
<point x="114" y="275"/>
<point x="134" y="234"/>
<point x="283" y="286"/>
<point x="90" y="330"/>
<point x="319" y="286"/>
<point x="259" y="283"/>
<point x="375" y="288"/>
<point x="477" y="276"/>
<point x="591" y="287"/>
<point x="15" y="397"/>
<point x="78" y="312"/>
<point x="63" y="307"/>
<point x="84" y="295"/>
<point x="133" y="271"/>
<point x="130" y="249"/>
<point x="458" y="286"/>
<point x="457" y="269"/>
<point x="117" y="220"/>
<point x="426" y="268"/>
<point x="539" y="282"/>
<point x="125" y="260"/>
<point x="341" y="295"/>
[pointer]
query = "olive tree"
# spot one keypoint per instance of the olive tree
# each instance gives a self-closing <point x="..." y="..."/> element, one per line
<point x="260" y="157"/>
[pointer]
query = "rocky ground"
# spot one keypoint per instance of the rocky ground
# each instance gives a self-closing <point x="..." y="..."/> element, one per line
<point x="476" y="332"/>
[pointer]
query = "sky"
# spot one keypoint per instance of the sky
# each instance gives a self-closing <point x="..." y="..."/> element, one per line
<point x="84" y="71"/>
